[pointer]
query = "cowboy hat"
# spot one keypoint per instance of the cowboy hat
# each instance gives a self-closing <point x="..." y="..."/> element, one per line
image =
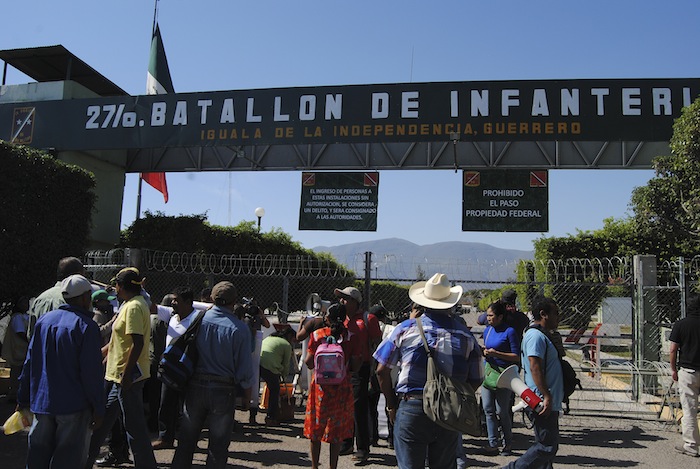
<point x="436" y="293"/>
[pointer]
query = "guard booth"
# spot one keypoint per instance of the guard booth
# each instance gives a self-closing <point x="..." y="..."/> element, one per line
<point x="60" y="75"/>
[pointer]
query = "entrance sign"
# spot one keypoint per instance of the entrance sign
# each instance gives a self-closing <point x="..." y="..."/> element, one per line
<point x="505" y="200"/>
<point x="339" y="201"/>
<point x="486" y="111"/>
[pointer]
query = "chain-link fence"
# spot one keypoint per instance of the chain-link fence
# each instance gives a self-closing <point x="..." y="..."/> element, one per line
<point x="285" y="280"/>
<point x="615" y="316"/>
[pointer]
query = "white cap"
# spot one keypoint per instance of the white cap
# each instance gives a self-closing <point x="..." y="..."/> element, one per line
<point x="74" y="286"/>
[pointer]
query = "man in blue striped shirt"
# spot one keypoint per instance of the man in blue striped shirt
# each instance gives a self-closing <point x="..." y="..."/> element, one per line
<point x="457" y="354"/>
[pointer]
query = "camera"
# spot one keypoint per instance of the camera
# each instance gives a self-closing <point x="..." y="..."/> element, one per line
<point x="250" y="307"/>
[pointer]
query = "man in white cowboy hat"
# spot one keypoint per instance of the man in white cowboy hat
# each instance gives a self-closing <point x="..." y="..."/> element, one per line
<point x="457" y="354"/>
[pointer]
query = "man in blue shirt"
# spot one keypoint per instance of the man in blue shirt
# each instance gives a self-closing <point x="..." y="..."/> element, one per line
<point x="543" y="375"/>
<point x="61" y="380"/>
<point x="224" y="344"/>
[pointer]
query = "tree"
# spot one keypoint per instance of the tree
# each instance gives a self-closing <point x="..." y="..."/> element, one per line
<point x="665" y="223"/>
<point x="666" y="212"/>
<point x="667" y="209"/>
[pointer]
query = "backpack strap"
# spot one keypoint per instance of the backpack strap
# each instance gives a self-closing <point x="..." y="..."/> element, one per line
<point x="544" y="332"/>
<point x="548" y="340"/>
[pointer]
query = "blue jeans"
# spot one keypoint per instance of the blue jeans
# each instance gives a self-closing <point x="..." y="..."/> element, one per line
<point x="59" y="440"/>
<point x="497" y="411"/>
<point x="204" y="399"/>
<point x="416" y="436"/>
<point x="542" y="453"/>
<point x="130" y="404"/>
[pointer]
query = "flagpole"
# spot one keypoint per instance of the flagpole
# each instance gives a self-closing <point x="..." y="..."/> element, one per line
<point x="138" y="199"/>
<point x="155" y="17"/>
<point x="138" y="194"/>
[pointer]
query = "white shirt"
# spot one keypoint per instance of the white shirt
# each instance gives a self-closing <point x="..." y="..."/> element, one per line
<point x="176" y="327"/>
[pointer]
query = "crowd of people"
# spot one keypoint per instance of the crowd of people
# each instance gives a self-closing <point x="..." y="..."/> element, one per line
<point x="89" y="373"/>
<point x="109" y="342"/>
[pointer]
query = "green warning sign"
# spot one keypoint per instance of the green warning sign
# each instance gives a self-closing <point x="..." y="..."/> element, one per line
<point x="339" y="201"/>
<point x="505" y="200"/>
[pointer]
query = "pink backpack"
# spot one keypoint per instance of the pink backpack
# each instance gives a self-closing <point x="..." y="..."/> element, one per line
<point x="329" y="363"/>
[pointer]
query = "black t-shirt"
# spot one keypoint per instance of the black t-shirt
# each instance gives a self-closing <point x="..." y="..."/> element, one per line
<point x="686" y="333"/>
<point x="518" y="321"/>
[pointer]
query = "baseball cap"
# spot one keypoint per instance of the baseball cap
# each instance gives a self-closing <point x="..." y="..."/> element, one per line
<point x="223" y="293"/>
<point x="74" y="286"/>
<point x="349" y="293"/>
<point x="128" y="275"/>
<point x="378" y="310"/>
<point x="102" y="295"/>
<point x="509" y="296"/>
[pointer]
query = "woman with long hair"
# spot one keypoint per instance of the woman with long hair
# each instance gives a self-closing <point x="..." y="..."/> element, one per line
<point x="329" y="408"/>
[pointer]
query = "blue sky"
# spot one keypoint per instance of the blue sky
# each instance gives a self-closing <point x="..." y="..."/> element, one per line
<point x="228" y="44"/>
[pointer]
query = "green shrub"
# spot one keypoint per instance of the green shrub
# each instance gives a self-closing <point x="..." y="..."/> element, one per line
<point x="45" y="215"/>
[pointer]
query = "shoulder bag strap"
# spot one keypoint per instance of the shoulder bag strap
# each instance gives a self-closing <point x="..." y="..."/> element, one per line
<point x="419" y="323"/>
<point x="193" y="328"/>
<point x="487" y="335"/>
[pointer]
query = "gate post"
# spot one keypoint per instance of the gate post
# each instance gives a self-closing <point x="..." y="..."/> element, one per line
<point x="647" y="345"/>
<point x="285" y="294"/>
<point x="367" y="294"/>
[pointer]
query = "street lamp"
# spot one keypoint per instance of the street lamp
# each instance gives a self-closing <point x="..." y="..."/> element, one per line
<point x="259" y="212"/>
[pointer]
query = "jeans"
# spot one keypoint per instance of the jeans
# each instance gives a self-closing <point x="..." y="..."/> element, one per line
<point x="688" y="390"/>
<point x="117" y="439"/>
<point x="59" y="440"/>
<point x="542" y="453"/>
<point x="169" y="413"/>
<point x="462" y="462"/>
<point x="130" y="404"/>
<point x="497" y="411"/>
<point x="152" y="392"/>
<point x="360" y="383"/>
<point x="204" y="399"/>
<point x="416" y="436"/>
<point x="373" y="403"/>
<point x="273" y="386"/>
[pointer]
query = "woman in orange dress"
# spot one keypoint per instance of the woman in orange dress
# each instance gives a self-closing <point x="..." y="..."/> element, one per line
<point x="329" y="409"/>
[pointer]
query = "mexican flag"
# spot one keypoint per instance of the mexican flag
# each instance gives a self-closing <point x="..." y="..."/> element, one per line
<point x="158" y="81"/>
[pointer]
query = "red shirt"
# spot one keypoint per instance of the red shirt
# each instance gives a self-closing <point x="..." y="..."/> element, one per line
<point x="361" y="334"/>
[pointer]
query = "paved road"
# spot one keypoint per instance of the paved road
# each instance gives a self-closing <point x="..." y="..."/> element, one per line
<point x="585" y="442"/>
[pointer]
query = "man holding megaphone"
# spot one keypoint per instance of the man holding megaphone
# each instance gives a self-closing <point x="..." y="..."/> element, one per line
<point x="543" y="375"/>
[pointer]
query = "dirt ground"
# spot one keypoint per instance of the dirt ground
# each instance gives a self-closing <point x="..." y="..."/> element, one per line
<point x="585" y="442"/>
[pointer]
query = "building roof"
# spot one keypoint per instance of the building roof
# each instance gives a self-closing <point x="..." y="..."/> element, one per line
<point x="56" y="63"/>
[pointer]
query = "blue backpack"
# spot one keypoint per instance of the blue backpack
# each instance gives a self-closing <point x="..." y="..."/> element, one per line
<point x="179" y="358"/>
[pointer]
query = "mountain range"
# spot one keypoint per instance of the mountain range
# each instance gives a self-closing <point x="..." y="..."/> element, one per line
<point x="395" y="258"/>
